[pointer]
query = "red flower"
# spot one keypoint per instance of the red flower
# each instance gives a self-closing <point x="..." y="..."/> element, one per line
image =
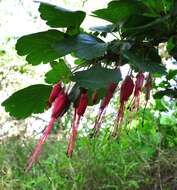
<point x="138" y="87"/>
<point x="104" y="103"/>
<point x="78" y="113"/>
<point x="54" y="93"/>
<point x="59" y="106"/>
<point x="125" y="92"/>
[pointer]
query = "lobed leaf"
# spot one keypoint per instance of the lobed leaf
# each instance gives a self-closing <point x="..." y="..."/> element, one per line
<point x="83" y="45"/>
<point x="58" y="17"/>
<point x="32" y="99"/>
<point x="52" y="44"/>
<point x="39" y="46"/>
<point x="119" y="11"/>
<point x="60" y="71"/>
<point x="97" y="77"/>
<point x="145" y="59"/>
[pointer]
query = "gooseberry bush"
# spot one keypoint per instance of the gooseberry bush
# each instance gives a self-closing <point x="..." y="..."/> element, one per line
<point x="137" y="27"/>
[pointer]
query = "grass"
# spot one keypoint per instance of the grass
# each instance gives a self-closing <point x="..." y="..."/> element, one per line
<point x="132" y="163"/>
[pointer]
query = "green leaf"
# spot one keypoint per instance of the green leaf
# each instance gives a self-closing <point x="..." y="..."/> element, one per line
<point x="150" y="24"/>
<point x="39" y="46"/>
<point x="171" y="74"/>
<point x="57" y="17"/>
<point x="100" y="94"/>
<point x="2" y="52"/>
<point x="172" y="47"/>
<point x="157" y="7"/>
<point x="60" y="71"/>
<point x="174" y="9"/>
<point x="79" y="62"/>
<point x="75" y="93"/>
<point x="167" y="92"/>
<point x="166" y="120"/>
<point x="119" y="11"/>
<point x="83" y="45"/>
<point x="170" y="44"/>
<point x="49" y="45"/>
<point x="160" y="105"/>
<point x="146" y="28"/>
<point x="32" y="99"/>
<point x="96" y="77"/>
<point x="145" y="59"/>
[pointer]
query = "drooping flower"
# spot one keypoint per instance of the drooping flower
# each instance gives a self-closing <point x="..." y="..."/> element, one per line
<point x="54" y="93"/>
<point x="137" y="92"/>
<point x="59" y="106"/>
<point x="60" y="103"/>
<point x="78" y="113"/>
<point x="104" y="103"/>
<point x="37" y="151"/>
<point x="147" y="88"/>
<point x="126" y="91"/>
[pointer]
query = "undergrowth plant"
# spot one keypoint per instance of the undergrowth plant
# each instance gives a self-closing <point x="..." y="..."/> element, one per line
<point x="137" y="27"/>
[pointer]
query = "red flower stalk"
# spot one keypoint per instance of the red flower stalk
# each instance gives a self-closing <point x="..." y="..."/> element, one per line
<point x="138" y="87"/>
<point x="54" y="93"/>
<point x="125" y="92"/>
<point x="37" y="151"/>
<point x="104" y="103"/>
<point x="60" y="103"/>
<point x="78" y="113"/>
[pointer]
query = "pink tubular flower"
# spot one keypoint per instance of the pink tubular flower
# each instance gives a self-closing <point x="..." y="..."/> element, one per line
<point x="138" y="87"/>
<point x="59" y="106"/>
<point x="37" y="151"/>
<point x="78" y="113"/>
<point x="104" y="103"/>
<point x="125" y="92"/>
<point x="54" y="93"/>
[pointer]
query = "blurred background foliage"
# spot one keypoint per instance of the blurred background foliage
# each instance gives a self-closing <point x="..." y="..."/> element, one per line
<point x="144" y="158"/>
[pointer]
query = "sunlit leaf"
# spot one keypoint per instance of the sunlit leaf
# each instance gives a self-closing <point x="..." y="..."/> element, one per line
<point x="57" y="17"/>
<point x="44" y="47"/>
<point x="119" y="11"/>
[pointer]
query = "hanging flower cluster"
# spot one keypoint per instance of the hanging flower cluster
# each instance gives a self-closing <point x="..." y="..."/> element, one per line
<point x="59" y="101"/>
